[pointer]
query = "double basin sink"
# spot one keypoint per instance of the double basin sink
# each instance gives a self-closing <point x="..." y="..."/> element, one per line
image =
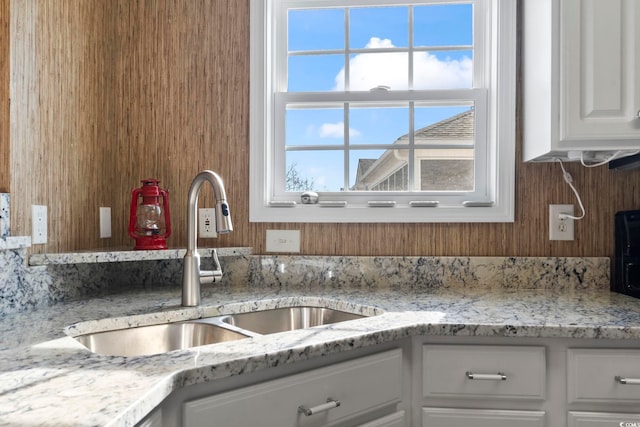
<point x="162" y="338"/>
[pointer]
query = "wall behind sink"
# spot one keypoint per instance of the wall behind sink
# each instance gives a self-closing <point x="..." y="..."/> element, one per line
<point x="107" y="92"/>
<point x="4" y="97"/>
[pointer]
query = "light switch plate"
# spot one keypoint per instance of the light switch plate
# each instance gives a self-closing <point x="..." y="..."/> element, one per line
<point x="283" y="241"/>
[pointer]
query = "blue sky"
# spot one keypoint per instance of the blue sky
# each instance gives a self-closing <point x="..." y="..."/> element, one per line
<point x="435" y="25"/>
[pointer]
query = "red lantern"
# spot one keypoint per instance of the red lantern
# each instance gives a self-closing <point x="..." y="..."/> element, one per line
<point x="149" y="221"/>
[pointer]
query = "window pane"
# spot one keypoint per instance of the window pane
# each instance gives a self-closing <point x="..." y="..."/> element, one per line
<point x="443" y="70"/>
<point x="378" y="27"/>
<point x="316" y="29"/>
<point x="314" y="73"/>
<point x="378" y="125"/>
<point x="370" y="70"/>
<point x="449" y="166"/>
<point x="367" y="168"/>
<point x="321" y="127"/>
<point x="437" y="122"/>
<point x="443" y="25"/>
<point x="446" y="175"/>
<point x="316" y="170"/>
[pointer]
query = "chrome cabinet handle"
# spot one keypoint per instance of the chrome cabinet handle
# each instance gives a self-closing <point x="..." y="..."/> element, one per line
<point x="630" y="381"/>
<point x="487" y="377"/>
<point x="331" y="403"/>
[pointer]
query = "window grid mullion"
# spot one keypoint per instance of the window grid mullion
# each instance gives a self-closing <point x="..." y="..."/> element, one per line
<point x="410" y="54"/>
<point x="347" y="152"/>
<point x="350" y="51"/>
<point x="410" y="158"/>
<point x="346" y="148"/>
<point x="347" y="40"/>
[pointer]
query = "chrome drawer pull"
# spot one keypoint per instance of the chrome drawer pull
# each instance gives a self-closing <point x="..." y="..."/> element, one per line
<point x="331" y="403"/>
<point x="490" y="377"/>
<point x="630" y="381"/>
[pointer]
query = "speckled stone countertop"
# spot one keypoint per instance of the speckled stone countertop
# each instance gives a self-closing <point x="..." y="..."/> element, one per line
<point x="47" y="378"/>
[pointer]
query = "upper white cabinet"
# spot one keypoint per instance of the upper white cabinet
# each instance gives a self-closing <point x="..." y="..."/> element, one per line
<point x="581" y="77"/>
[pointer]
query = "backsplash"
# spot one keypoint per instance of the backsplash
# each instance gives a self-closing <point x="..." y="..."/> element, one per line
<point x="29" y="287"/>
<point x="429" y="272"/>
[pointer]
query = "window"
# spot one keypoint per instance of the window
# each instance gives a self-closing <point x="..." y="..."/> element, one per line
<point x="392" y="111"/>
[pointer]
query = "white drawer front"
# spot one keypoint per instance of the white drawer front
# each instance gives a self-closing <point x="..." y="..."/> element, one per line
<point x="359" y="385"/>
<point x="394" y="420"/>
<point x="602" y="419"/>
<point x="445" y="369"/>
<point x="446" y="417"/>
<point x="592" y="375"/>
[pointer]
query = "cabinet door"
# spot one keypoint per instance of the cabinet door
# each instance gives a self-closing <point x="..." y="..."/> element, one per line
<point x="448" y="417"/>
<point x="602" y="419"/>
<point x="600" y="62"/>
<point x="360" y="386"/>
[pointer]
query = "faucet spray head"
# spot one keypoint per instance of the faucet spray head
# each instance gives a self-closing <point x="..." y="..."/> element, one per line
<point x="223" y="217"/>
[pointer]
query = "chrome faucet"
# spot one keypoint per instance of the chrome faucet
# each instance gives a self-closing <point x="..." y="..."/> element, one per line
<point x="192" y="276"/>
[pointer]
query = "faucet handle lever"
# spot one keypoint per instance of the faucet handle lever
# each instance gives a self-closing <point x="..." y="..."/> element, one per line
<point x="211" y="276"/>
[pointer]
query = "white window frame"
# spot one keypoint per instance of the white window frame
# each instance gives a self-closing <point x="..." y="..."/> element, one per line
<point x="499" y="128"/>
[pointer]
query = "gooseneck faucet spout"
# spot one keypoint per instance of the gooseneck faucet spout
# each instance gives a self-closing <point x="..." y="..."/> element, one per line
<point x="192" y="276"/>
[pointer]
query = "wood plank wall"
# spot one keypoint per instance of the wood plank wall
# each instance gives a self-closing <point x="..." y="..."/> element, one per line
<point x="112" y="91"/>
<point x="4" y="97"/>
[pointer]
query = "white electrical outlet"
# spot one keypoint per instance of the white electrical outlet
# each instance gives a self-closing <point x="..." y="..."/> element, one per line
<point x="105" y="223"/>
<point x="207" y="223"/>
<point x="283" y="241"/>
<point x="38" y="224"/>
<point x="561" y="229"/>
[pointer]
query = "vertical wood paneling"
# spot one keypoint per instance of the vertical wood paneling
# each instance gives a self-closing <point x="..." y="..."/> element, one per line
<point x="5" y="162"/>
<point x="109" y="92"/>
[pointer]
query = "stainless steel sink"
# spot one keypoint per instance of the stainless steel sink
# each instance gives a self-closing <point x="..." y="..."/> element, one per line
<point x="287" y="319"/>
<point x="156" y="339"/>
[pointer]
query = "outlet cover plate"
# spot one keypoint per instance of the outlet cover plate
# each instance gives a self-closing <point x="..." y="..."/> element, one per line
<point x="560" y="229"/>
<point x="105" y="223"/>
<point x="207" y="223"/>
<point x="38" y="224"/>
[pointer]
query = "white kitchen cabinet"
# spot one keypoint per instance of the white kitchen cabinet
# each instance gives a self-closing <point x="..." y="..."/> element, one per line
<point x="581" y="78"/>
<point x="424" y="381"/>
<point x="333" y="395"/>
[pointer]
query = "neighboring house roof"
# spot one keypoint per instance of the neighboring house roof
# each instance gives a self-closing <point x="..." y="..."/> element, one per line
<point x="363" y="167"/>
<point x="451" y="130"/>
<point x="458" y="127"/>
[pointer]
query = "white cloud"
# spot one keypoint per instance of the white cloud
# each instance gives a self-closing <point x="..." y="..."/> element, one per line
<point x="336" y="130"/>
<point x="369" y="70"/>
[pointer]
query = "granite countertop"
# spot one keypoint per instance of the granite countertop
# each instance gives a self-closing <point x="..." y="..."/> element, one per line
<point x="47" y="378"/>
